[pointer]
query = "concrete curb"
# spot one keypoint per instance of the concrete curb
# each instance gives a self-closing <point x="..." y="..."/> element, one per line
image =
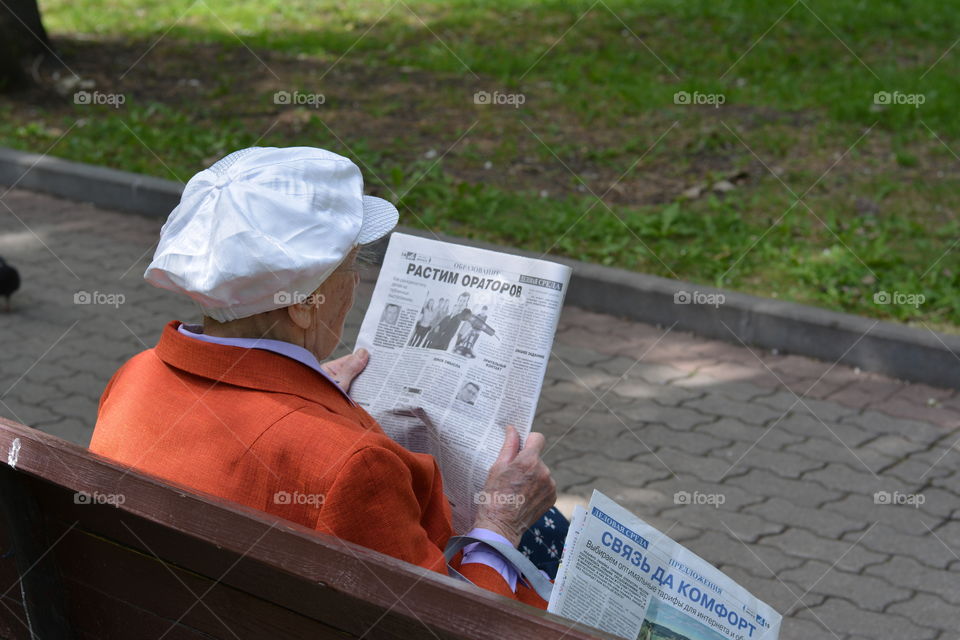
<point x="888" y="348"/>
<point x="108" y="188"/>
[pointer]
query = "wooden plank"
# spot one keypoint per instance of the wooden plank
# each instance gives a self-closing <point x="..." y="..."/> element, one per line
<point x="41" y="590"/>
<point x="318" y="602"/>
<point x="9" y="576"/>
<point x="13" y="619"/>
<point x="98" y="616"/>
<point x="317" y="576"/>
<point x="176" y="596"/>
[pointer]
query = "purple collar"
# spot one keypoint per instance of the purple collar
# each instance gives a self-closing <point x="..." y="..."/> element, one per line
<point x="287" y="349"/>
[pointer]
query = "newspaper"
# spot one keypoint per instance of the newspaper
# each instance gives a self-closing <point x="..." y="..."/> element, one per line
<point x="459" y="340"/>
<point x="622" y="576"/>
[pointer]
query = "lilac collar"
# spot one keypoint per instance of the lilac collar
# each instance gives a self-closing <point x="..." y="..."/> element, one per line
<point x="292" y="351"/>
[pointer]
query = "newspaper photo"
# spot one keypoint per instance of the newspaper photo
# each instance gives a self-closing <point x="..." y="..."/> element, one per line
<point x="459" y="340"/>
<point x="620" y="575"/>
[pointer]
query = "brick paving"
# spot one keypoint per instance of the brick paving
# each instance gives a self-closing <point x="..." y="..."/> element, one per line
<point x="795" y="450"/>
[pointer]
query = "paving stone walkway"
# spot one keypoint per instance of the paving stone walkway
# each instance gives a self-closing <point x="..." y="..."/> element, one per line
<point x="832" y="494"/>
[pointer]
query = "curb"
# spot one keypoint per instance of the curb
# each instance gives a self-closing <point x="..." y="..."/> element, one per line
<point x="108" y="188"/>
<point x="888" y="348"/>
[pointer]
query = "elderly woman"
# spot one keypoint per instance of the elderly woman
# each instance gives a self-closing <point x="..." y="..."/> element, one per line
<point x="265" y="242"/>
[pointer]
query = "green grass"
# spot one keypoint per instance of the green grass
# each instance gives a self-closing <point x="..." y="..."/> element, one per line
<point x="618" y="56"/>
<point x="599" y="99"/>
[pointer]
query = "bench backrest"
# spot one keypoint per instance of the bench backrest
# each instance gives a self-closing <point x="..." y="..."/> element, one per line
<point x="89" y="549"/>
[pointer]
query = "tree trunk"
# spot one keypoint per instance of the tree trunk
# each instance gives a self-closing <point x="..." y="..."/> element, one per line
<point x="27" y="27"/>
<point x="21" y="36"/>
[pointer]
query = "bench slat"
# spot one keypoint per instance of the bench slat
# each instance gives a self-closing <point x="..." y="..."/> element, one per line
<point x="97" y="616"/>
<point x="38" y="576"/>
<point x="13" y="625"/>
<point x="279" y="574"/>
<point x="125" y="576"/>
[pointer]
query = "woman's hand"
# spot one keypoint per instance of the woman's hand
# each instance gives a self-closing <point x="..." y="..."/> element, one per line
<point x="519" y="488"/>
<point x="344" y="370"/>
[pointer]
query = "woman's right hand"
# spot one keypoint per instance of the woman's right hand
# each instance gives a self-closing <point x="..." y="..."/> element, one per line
<point x="519" y="488"/>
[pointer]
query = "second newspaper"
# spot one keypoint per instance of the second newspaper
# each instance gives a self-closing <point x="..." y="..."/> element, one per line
<point x="621" y="575"/>
<point x="459" y="340"/>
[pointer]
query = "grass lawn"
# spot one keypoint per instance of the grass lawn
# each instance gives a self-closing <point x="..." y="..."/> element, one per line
<point x="815" y="160"/>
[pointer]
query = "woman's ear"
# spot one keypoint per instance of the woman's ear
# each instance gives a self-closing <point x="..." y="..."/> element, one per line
<point x="301" y="314"/>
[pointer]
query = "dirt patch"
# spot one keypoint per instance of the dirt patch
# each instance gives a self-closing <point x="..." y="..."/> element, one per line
<point x="403" y="116"/>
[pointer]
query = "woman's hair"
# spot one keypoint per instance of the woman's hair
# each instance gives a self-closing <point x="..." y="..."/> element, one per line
<point x="366" y="257"/>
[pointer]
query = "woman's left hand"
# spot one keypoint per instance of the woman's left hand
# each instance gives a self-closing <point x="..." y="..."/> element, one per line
<point x="344" y="370"/>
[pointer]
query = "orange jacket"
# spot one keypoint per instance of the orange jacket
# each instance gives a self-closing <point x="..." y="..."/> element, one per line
<point x="264" y="430"/>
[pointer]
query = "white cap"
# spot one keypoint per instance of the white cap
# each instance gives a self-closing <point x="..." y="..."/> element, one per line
<point x="263" y="227"/>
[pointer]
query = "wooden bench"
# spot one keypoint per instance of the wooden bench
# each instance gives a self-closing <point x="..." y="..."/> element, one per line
<point x="89" y="549"/>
